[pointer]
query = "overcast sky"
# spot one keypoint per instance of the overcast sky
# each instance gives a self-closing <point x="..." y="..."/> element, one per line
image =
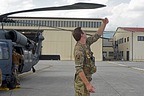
<point x="121" y="13"/>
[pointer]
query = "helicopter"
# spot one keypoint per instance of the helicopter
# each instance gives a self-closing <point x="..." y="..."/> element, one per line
<point x="29" y="49"/>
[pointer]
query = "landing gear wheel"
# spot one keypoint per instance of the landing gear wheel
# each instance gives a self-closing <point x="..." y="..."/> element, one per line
<point x="33" y="69"/>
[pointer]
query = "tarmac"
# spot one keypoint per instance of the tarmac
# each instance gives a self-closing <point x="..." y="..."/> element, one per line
<point x="56" y="78"/>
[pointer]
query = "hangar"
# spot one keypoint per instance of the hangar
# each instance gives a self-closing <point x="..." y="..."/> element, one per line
<point x="58" y="43"/>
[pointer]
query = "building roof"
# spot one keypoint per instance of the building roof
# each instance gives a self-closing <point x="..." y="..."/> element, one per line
<point x="56" y="18"/>
<point x="131" y="29"/>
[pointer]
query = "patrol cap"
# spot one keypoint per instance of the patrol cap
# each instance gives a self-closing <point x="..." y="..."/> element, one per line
<point x="77" y="33"/>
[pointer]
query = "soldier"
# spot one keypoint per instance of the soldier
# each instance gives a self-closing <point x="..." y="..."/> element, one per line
<point x="17" y="60"/>
<point x="84" y="60"/>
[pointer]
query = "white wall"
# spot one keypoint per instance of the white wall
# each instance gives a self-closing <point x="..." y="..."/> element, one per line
<point x="138" y="47"/>
<point x="62" y="43"/>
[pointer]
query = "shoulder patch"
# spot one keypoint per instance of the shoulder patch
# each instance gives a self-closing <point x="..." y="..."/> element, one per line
<point x="78" y="57"/>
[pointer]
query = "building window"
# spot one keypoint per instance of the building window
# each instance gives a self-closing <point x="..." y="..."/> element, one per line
<point x="140" y="38"/>
<point x="86" y="24"/>
<point x="92" y="24"/>
<point x="104" y="53"/>
<point x="75" y="24"/>
<point x="81" y="23"/>
<point x="50" y="23"/>
<point x="121" y="40"/>
<point x="89" y="24"/>
<point x="127" y="39"/>
<point x="124" y="39"/>
<point x="72" y="24"/>
<point x="56" y="23"/>
<point x="98" y="24"/>
<point x="111" y="54"/>
<point x="95" y="24"/>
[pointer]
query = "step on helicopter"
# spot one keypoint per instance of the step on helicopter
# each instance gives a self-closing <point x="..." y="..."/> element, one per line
<point x="12" y="41"/>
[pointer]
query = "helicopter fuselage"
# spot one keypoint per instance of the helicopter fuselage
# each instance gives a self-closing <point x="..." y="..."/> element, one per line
<point x="29" y="50"/>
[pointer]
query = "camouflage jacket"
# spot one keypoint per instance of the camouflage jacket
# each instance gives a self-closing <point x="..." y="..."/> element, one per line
<point x="83" y="55"/>
<point x="17" y="58"/>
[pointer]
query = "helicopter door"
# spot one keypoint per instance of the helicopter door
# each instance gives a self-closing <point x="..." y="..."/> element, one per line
<point x="5" y="57"/>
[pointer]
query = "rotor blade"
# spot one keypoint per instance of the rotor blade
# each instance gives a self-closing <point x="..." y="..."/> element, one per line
<point x="66" y="7"/>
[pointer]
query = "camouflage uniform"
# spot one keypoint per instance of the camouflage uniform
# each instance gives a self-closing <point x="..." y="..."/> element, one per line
<point x="17" y="61"/>
<point x="17" y="58"/>
<point x="84" y="61"/>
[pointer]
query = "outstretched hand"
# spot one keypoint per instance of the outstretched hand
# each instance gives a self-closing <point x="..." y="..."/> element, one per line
<point x="90" y="88"/>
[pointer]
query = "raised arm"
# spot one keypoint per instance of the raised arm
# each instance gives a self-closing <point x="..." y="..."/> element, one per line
<point x="94" y="38"/>
<point x="102" y="27"/>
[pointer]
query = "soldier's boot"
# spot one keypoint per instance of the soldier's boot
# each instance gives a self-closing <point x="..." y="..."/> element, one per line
<point x="4" y="85"/>
<point x="17" y="85"/>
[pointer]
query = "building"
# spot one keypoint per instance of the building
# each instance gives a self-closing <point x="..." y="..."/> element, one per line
<point x="128" y="44"/>
<point x="108" y="51"/>
<point x="58" y="43"/>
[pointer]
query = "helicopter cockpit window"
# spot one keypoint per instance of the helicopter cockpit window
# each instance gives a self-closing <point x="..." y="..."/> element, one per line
<point x="4" y="51"/>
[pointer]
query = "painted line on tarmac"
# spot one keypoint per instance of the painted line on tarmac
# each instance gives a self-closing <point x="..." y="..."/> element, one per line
<point x="118" y="64"/>
<point x="122" y="65"/>
<point x="135" y="68"/>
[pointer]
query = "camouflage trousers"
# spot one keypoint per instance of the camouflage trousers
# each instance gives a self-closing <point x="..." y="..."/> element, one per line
<point x="80" y="88"/>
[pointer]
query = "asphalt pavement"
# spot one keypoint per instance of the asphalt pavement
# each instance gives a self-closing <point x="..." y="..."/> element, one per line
<point x="55" y="78"/>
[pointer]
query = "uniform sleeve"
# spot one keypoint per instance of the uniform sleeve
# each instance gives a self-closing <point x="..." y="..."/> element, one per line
<point x="93" y="39"/>
<point x="79" y="59"/>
